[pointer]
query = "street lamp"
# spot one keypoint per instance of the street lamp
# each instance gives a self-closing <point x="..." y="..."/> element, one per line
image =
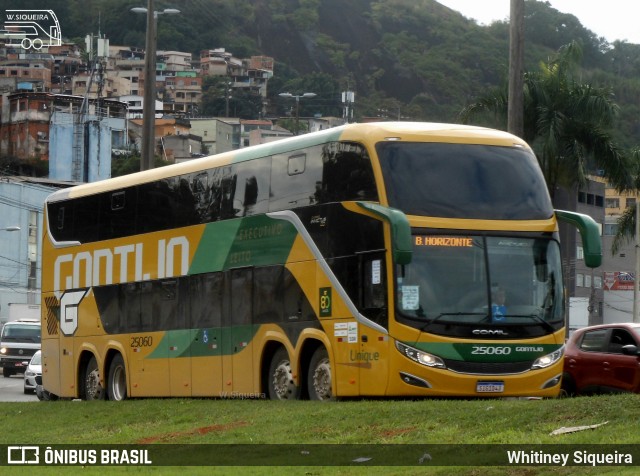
<point x="10" y="228"/>
<point x="149" y="100"/>
<point x="297" y="98"/>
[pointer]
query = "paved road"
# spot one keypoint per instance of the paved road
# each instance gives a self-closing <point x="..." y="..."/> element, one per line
<point x="12" y="390"/>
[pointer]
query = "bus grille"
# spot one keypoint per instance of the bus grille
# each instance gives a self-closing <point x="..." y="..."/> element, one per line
<point x="488" y="368"/>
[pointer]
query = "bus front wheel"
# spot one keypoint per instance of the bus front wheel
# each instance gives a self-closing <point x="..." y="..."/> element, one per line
<point x="92" y="387"/>
<point x="117" y="382"/>
<point x="281" y="383"/>
<point x="319" y="377"/>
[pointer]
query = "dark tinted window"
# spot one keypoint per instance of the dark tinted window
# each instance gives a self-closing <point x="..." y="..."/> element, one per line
<point x="241" y="293"/>
<point x="620" y="338"/>
<point x="320" y="174"/>
<point x="207" y="291"/>
<point x="347" y="173"/>
<point x="268" y="294"/>
<point x="464" y="181"/>
<point x="117" y="213"/>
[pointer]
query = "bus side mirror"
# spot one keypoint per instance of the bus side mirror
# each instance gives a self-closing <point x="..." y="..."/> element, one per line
<point x="401" y="243"/>
<point x="590" y="234"/>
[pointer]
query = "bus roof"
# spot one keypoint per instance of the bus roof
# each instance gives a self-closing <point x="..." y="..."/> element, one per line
<point x="367" y="132"/>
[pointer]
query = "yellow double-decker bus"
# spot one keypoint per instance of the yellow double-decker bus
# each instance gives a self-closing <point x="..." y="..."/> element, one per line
<point x="386" y="259"/>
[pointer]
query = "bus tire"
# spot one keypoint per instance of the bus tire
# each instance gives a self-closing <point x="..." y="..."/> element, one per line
<point x="92" y="387"/>
<point x="282" y="386"/>
<point x="319" y="380"/>
<point x="117" y="382"/>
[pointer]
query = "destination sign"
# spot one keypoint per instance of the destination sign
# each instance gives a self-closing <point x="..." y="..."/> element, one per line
<point x="454" y="241"/>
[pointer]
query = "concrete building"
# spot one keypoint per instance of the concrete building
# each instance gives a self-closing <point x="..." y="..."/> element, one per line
<point x="584" y="285"/>
<point x="21" y="225"/>
<point x="618" y="269"/>
<point x="83" y="136"/>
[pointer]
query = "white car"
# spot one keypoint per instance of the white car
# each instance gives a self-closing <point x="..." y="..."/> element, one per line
<point x="34" y="369"/>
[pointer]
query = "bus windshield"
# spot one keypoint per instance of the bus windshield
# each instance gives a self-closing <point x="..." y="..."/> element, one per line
<point x="464" y="181"/>
<point x="481" y="280"/>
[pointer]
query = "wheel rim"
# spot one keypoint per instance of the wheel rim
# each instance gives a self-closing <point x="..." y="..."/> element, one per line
<point x="322" y="380"/>
<point x="119" y="385"/>
<point x="93" y="389"/>
<point x="283" y="383"/>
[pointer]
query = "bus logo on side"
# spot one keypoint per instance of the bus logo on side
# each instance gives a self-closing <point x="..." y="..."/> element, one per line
<point x="325" y="302"/>
<point x="32" y="28"/>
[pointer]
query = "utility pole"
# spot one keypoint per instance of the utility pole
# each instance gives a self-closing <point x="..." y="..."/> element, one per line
<point x="515" y="109"/>
<point x="149" y="100"/>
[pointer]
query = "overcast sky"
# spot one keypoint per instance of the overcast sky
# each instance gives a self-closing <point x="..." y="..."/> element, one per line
<point x="613" y="19"/>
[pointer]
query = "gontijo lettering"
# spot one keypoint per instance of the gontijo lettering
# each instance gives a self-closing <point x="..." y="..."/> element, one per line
<point x="113" y="265"/>
<point x="455" y="241"/>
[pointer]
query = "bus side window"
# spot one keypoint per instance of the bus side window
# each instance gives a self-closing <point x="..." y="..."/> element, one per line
<point x="347" y="174"/>
<point x="206" y="291"/>
<point x="296" y="179"/>
<point x="268" y="294"/>
<point x="374" y="286"/>
<point x="241" y="288"/>
<point x="86" y="220"/>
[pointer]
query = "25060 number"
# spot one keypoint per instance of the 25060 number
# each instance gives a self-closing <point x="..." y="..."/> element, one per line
<point x="143" y="341"/>
<point x="490" y="350"/>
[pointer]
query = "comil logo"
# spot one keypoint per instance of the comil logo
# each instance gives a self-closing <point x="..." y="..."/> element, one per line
<point x="23" y="455"/>
<point x="32" y="28"/>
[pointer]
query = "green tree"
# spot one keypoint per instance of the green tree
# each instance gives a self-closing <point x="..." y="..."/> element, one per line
<point x="567" y="122"/>
<point x="626" y="230"/>
<point x="218" y="96"/>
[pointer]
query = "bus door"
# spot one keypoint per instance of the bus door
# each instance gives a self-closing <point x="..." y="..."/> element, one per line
<point x="372" y="354"/>
<point x="174" y="306"/>
<point x="238" y="360"/>
<point x="138" y="305"/>
<point x="206" y="293"/>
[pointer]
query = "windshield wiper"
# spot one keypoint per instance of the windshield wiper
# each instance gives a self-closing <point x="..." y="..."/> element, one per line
<point x="535" y="317"/>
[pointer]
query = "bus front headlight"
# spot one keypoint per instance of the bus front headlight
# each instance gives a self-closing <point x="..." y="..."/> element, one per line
<point x="548" y="360"/>
<point x="419" y="356"/>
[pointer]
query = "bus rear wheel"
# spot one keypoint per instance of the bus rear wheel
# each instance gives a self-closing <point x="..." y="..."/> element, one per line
<point x="319" y="378"/>
<point x="117" y="382"/>
<point x="92" y="387"/>
<point x="282" y="386"/>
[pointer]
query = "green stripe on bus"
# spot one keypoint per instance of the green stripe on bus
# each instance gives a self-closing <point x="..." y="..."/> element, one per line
<point x="209" y="342"/>
<point x="252" y="241"/>
<point x="486" y="352"/>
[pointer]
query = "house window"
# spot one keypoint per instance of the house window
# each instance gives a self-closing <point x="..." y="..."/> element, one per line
<point x="579" y="280"/>
<point x="579" y="252"/>
<point x="612" y="203"/>
<point x="599" y="201"/>
<point x="610" y="229"/>
<point x="631" y="202"/>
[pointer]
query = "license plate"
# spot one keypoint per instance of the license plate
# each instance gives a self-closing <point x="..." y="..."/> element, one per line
<point x="490" y="387"/>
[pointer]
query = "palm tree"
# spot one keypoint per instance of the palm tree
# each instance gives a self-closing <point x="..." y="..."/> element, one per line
<point x="567" y="123"/>
<point x="626" y="230"/>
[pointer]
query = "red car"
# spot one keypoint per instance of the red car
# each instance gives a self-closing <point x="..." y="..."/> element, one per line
<point x="602" y="359"/>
